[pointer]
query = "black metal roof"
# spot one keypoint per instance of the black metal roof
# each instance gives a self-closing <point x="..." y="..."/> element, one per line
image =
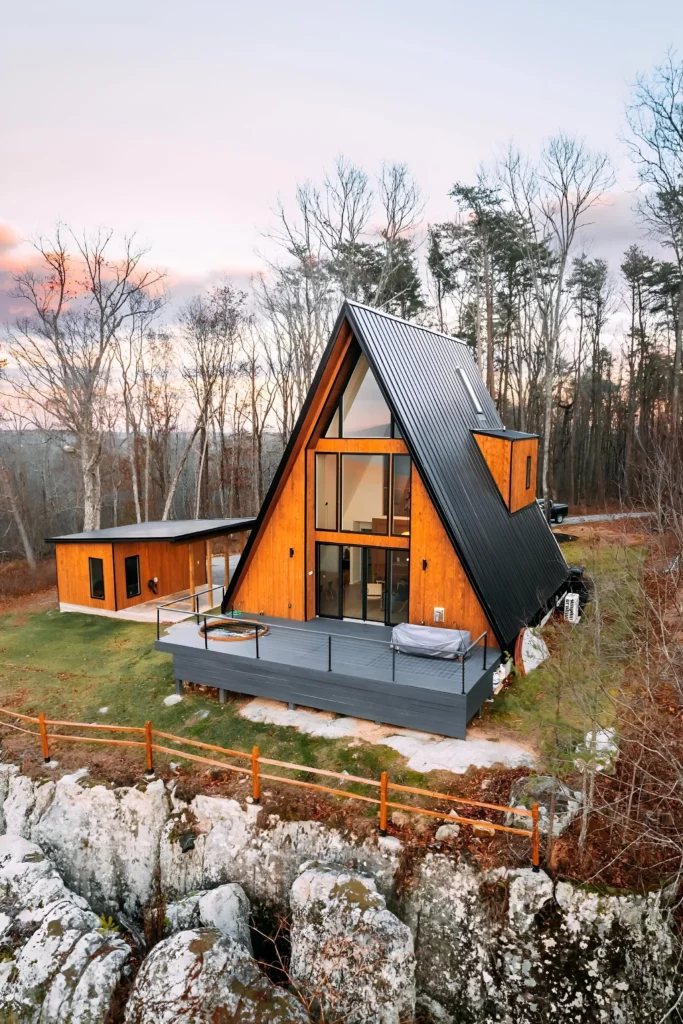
<point x="429" y="381"/>
<point x="176" y="531"/>
<point x="506" y="435"/>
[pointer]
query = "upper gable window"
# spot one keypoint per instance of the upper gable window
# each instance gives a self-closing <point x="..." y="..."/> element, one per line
<point x="364" y="411"/>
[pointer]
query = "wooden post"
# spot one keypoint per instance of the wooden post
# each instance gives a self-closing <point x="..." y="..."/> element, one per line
<point x="534" y="837"/>
<point x="255" y="779"/>
<point x="148" y="747"/>
<point x="209" y="571"/>
<point x="43" y="738"/>
<point x="383" y="790"/>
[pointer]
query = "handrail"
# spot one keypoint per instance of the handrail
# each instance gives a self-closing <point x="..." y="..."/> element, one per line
<point x="256" y="760"/>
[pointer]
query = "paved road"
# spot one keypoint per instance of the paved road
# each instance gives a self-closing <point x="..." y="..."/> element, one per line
<point x="605" y="517"/>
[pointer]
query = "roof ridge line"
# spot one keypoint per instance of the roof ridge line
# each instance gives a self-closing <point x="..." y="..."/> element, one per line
<point x="408" y="323"/>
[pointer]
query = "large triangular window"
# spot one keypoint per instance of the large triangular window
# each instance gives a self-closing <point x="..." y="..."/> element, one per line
<point x="362" y="411"/>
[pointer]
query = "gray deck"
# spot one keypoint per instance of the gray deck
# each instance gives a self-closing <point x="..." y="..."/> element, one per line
<point x="346" y="667"/>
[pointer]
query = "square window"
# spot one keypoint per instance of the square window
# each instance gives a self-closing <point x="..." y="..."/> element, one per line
<point x="528" y="472"/>
<point x="132" y="574"/>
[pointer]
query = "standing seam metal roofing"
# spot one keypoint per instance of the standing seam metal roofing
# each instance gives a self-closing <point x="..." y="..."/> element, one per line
<point x="513" y="561"/>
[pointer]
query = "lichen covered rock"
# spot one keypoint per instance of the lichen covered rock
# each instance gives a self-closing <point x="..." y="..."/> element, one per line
<point x="550" y="794"/>
<point x="510" y="947"/>
<point x="200" y="977"/>
<point x="225" y="908"/>
<point x="59" y="962"/>
<point x="349" y="950"/>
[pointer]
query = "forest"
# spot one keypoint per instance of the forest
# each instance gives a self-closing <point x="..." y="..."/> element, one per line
<point x="121" y="403"/>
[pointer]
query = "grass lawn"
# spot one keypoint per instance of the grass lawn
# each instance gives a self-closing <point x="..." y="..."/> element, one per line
<point x="571" y="693"/>
<point x="71" y="665"/>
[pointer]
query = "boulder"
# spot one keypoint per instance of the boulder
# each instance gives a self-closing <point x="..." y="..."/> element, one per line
<point x="349" y="950"/>
<point x="225" y="908"/>
<point x="509" y="946"/>
<point x="60" y="962"/>
<point x="264" y="857"/>
<point x="201" y="977"/>
<point x="539" y="789"/>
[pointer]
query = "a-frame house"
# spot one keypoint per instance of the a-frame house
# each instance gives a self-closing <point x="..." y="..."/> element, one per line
<point x="400" y="498"/>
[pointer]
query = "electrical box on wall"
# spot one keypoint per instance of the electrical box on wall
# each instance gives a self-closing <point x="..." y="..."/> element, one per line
<point x="438" y="614"/>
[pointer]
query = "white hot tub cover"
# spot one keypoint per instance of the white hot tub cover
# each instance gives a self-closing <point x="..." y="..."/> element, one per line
<point x="430" y="641"/>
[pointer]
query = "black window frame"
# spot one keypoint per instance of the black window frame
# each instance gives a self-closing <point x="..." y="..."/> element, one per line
<point x="388" y="552"/>
<point x="392" y="481"/>
<point x="528" y="472"/>
<point x="387" y="488"/>
<point x="138" y="592"/>
<point x="91" y="562"/>
<point x="337" y="494"/>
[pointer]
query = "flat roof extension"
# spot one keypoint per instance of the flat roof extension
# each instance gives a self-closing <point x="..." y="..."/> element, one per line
<point x="174" y="531"/>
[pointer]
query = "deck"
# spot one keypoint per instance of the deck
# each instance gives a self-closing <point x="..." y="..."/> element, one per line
<point x="345" y="667"/>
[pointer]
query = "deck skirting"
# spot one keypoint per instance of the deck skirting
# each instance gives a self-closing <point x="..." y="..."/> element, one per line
<point x="413" y="707"/>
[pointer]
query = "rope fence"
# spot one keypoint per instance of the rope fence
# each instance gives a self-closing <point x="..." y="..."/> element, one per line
<point x="147" y="741"/>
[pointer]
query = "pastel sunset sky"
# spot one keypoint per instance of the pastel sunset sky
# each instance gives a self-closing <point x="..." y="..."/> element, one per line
<point x="184" y="122"/>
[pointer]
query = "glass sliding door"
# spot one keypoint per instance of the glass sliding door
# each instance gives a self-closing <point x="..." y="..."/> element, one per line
<point x="329" y="579"/>
<point x="352" y="581"/>
<point x="366" y="583"/>
<point x="400" y="587"/>
<point x="375" y="584"/>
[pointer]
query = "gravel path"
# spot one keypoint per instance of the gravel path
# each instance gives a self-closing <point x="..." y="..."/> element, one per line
<point x="605" y="517"/>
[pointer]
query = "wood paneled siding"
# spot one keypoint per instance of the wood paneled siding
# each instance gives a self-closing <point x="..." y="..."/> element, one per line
<point x="73" y="575"/>
<point x="169" y="562"/>
<point x="444" y="583"/>
<point x="497" y="451"/>
<point x="507" y="462"/>
<point x="520" y="494"/>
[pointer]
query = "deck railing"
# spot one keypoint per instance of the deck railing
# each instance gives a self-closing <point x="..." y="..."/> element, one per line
<point x="147" y="740"/>
<point x="327" y="639"/>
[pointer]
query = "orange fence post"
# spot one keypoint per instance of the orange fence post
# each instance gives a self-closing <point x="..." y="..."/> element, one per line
<point x="255" y="778"/>
<point x="43" y="737"/>
<point x="534" y="837"/>
<point x="383" y="790"/>
<point x="148" y="748"/>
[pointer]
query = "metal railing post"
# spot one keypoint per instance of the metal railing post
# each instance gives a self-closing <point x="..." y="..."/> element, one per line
<point x="257" y="629"/>
<point x="383" y="790"/>
<point x="486" y="646"/>
<point x="148" y="748"/>
<point x="534" y="837"/>
<point x="43" y="737"/>
<point x="393" y="664"/>
<point x="206" y="636"/>
<point x="463" y="673"/>
<point x="157" y="622"/>
<point x="329" y="652"/>
<point x="255" y="779"/>
<point x="196" y="607"/>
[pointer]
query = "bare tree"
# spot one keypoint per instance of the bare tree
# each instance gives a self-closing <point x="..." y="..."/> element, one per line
<point x="655" y="119"/>
<point x="551" y="201"/>
<point x="79" y="300"/>
<point x="210" y="328"/>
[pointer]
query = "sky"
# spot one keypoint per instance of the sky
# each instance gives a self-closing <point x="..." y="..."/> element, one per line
<point x="184" y="122"/>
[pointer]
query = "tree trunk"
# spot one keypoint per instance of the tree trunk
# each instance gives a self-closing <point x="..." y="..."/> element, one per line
<point x="168" y="505"/>
<point x="29" y="554"/>
<point x="488" y="296"/>
<point x="92" y="499"/>
<point x="677" y="363"/>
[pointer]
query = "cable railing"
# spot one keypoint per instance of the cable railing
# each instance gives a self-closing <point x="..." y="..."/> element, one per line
<point x="324" y="647"/>
<point x="147" y="737"/>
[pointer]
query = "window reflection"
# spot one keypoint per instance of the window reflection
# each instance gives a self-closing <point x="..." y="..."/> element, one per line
<point x="400" y="520"/>
<point x="325" y="491"/>
<point x="365" y="493"/>
<point x="364" y="411"/>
